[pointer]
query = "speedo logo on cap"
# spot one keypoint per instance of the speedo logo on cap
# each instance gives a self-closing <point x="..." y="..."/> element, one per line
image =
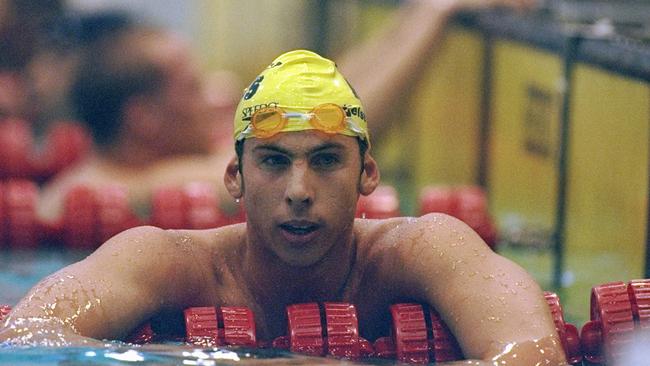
<point x="247" y="113"/>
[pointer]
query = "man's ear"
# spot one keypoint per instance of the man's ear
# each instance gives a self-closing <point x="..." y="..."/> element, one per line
<point x="370" y="175"/>
<point x="233" y="179"/>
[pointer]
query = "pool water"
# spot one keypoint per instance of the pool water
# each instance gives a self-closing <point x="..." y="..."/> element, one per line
<point x="20" y="270"/>
<point x="161" y="354"/>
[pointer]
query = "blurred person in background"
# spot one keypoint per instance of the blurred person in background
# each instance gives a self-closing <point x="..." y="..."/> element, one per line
<point x="156" y="121"/>
<point x="153" y="122"/>
<point x="53" y="67"/>
<point x="23" y="29"/>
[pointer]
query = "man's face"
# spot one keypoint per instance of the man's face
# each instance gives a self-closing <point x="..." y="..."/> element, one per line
<point x="183" y="105"/>
<point x="300" y="190"/>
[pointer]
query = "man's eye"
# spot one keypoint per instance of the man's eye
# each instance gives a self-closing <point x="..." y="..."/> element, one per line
<point x="275" y="160"/>
<point x="325" y="160"/>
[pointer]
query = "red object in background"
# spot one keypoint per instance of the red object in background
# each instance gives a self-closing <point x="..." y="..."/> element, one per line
<point x="114" y="213"/>
<point x="4" y="311"/>
<point x="92" y="216"/>
<point x="466" y="203"/>
<point x="192" y="206"/>
<point x="65" y="144"/>
<point x="338" y="337"/>
<point x="383" y="203"/>
<point x="567" y="332"/>
<point x="78" y="220"/>
<point x="202" y="205"/>
<point x="168" y="208"/>
<point x="16" y="148"/>
<point x="202" y="327"/>
<point x="210" y="326"/>
<point x="618" y="310"/>
<point x="410" y="333"/>
<point x="443" y="347"/>
<point x="20" y="225"/>
<point x="305" y="330"/>
<point x="437" y="199"/>
<point x="238" y="326"/>
<point x="342" y="329"/>
<point x="3" y="217"/>
<point x="414" y="340"/>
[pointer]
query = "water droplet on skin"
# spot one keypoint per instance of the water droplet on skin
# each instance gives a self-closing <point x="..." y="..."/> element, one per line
<point x="488" y="277"/>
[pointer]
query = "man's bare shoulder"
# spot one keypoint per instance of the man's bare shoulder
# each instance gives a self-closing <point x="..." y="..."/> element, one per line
<point x="406" y="243"/>
<point x="174" y="244"/>
<point x="396" y="232"/>
<point x="210" y="242"/>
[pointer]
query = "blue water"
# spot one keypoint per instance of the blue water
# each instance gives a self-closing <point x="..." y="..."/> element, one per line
<point x="20" y="270"/>
<point x="166" y="354"/>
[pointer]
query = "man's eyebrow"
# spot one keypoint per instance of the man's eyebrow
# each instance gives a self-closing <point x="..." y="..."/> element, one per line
<point x="271" y="147"/>
<point x="326" y="146"/>
<point x="318" y="148"/>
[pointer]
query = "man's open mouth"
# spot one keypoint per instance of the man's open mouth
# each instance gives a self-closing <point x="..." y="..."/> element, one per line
<point x="299" y="228"/>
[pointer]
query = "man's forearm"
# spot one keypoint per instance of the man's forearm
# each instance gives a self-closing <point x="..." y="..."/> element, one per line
<point x="381" y="69"/>
<point x="51" y="332"/>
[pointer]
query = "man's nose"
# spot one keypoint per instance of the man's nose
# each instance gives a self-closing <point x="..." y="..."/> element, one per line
<point x="299" y="191"/>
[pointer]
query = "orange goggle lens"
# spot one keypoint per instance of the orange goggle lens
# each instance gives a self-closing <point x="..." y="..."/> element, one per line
<point x="329" y="118"/>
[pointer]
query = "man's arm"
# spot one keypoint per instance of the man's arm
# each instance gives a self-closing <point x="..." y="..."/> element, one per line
<point x="493" y="307"/>
<point x="130" y="278"/>
<point x="382" y="68"/>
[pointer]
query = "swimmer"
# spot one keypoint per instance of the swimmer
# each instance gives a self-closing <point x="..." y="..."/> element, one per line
<point x="153" y="120"/>
<point x="303" y="159"/>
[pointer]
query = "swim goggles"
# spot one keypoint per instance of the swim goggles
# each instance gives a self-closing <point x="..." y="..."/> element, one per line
<point x="329" y="118"/>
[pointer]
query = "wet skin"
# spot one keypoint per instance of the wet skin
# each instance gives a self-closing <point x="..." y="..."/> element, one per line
<point x="302" y="244"/>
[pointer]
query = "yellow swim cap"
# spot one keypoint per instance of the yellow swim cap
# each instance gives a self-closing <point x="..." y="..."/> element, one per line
<point x="298" y="81"/>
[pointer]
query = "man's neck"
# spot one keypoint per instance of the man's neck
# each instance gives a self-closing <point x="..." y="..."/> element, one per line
<point x="274" y="282"/>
